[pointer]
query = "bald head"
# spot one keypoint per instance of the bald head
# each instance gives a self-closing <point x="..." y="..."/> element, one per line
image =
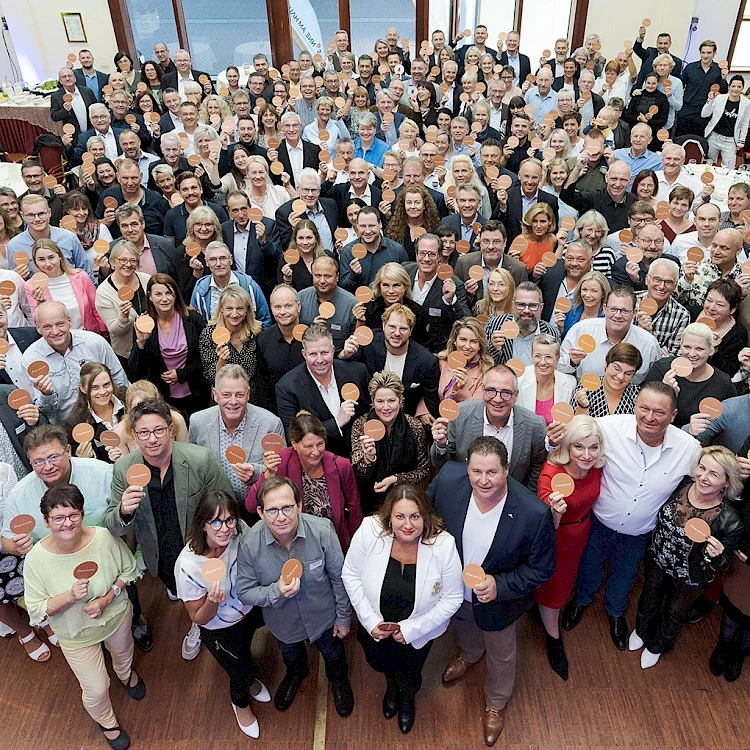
<point x="617" y="179"/>
<point x="725" y="247"/>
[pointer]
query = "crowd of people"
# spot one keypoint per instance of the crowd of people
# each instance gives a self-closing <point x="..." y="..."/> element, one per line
<point x="387" y="343"/>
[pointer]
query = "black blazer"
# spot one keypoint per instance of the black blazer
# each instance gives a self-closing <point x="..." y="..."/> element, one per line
<point x="455" y="105"/>
<point x="330" y="209"/>
<point x="454" y="222"/>
<point x="163" y="252"/>
<point x="421" y="372"/>
<point x="559" y="83"/>
<point x="166" y="123"/>
<point x="523" y="552"/>
<point x="59" y="114"/>
<point x="297" y="390"/>
<point x="440" y="317"/>
<point x="80" y="147"/>
<point x="143" y="135"/>
<point x="309" y="158"/>
<point x="340" y="193"/>
<point x="524" y="65"/>
<point x="103" y="79"/>
<point x="169" y="81"/>
<point x="550" y="286"/>
<point x="225" y="160"/>
<point x="513" y="213"/>
<point x="256" y="254"/>
<point x="14" y="426"/>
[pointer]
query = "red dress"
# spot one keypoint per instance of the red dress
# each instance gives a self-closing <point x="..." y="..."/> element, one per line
<point x="572" y="533"/>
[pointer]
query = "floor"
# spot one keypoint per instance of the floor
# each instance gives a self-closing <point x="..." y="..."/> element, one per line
<point x="609" y="702"/>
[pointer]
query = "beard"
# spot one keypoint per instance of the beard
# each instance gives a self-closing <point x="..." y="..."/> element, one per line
<point x="527" y="326"/>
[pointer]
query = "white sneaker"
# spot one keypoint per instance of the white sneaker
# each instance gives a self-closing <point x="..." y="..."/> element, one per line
<point x="648" y="659"/>
<point x="635" y="642"/>
<point x="191" y="643"/>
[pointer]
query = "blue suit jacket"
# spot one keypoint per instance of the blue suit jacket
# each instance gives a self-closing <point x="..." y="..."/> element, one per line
<point x="80" y="147"/>
<point x="522" y="555"/>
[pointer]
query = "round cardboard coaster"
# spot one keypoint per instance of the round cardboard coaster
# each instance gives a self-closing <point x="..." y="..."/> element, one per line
<point x="138" y="475"/>
<point x="109" y="439"/>
<point x="18" y="398"/>
<point x="697" y="530"/>
<point x="473" y="575"/>
<point x="235" y="454"/>
<point x="563" y="484"/>
<point x="272" y="442"/>
<point x="562" y="412"/>
<point x="85" y="570"/>
<point x="22" y="524"/>
<point x="350" y="392"/>
<point x="364" y="335"/>
<point x="83" y="432"/>
<point x="291" y="569"/>
<point x="374" y="429"/>
<point x="448" y="409"/>
<point x="587" y="343"/>
<point x="681" y="367"/>
<point x="213" y="571"/>
<point x="591" y="382"/>
<point x="711" y="406"/>
<point x="220" y="335"/>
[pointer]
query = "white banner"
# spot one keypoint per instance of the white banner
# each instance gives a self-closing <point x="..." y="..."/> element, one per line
<point x="305" y="27"/>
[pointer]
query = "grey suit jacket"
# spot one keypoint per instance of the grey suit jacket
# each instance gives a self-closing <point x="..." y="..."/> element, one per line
<point x="204" y="430"/>
<point x="527" y="454"/>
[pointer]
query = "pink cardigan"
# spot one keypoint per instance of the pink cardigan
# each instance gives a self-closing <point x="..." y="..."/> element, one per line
<point x="342" y="491"/>
<point x="85" y="293"/>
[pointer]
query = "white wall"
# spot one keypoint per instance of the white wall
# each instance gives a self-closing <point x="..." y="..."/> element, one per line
<point x="38" y="35"/>
<point x="715" y="21"/>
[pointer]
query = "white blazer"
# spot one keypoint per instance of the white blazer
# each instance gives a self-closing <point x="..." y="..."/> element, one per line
<point x="439" y="588"/>
<point x="564" y="387"/>
<point x="714" y="108"/>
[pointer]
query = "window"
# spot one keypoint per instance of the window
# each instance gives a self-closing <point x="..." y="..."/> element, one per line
<point x="369" y="21"/>
<point x="497" y="16"/>
<point x="152" y="21"/>
<point x="537" y="37"/>
<point x="741" y="55"/>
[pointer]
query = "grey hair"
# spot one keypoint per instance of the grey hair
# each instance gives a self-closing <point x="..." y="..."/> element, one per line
<point x="369" y="119"/>
<point x="94" y="139"/>
<point x="231" y="372"/>
<point x="670" y="265"/>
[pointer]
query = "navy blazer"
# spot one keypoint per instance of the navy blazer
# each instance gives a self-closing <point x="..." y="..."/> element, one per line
<point x="14" y="426"/>
<point x="398" y="118"/>
<point x="550" y="286"/>
<point x="169" y="81"/>
<point x="522" y="555"/>
<point x="103" y="79"/>
<point x="524" y="65"/>
<point x="513" y="213"/>
<point x="80" y="147"/>
<point x="255" y="253"/>
<point x="454" y="222"/>
<point x="330" y="209"/>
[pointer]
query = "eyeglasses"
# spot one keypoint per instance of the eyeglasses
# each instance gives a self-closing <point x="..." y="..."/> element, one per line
<point x="528" y="305"/>
<point x="427" y="254"/>
<point x="40" y="462"/>
<point x="159" y="432"/>
<point x="619" y="311"/>
<point x="496" y="285"/>
<point x="668" y="283"/>
<point x="217" y="523"/>
<point x="127" y="261"/>
<point x="273" y="513"/>
<point x="505" y="394"/>
<point x="72" y="517"/>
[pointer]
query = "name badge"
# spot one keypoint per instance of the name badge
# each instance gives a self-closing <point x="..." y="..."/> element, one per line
<point x="335" y="327"/>
<point x="316" y="564"/>
<point x="434" y="312"/>
<point x="21" y="428"/>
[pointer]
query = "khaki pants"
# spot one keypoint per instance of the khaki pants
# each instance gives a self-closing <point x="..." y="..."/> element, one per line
<point x="91" y="672"/>
<point x="499" y="647"/>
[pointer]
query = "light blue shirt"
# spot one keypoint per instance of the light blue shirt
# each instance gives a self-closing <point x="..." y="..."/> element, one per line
<point x="372" y="155"/>
<point x="647" y="160"/>
<point x="143" y="164"/>
<point x="93" y="83"/>
<point x="515" y="63"/>
<point x="69" y="244"/>
<point x="318" y="217"/>
<point x="543" y="105"/>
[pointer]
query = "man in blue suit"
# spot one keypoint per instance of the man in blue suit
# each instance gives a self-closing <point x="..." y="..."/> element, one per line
<point x="508" y="531"/>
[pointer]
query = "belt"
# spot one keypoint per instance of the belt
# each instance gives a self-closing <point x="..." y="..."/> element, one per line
<point x="580" y="520"/>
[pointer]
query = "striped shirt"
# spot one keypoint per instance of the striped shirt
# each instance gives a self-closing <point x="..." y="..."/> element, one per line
<point x="509" y="351"/>
<point x="668" y="323"/>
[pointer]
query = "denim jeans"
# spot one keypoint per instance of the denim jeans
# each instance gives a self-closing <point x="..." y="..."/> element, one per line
<point x="330" y="648"/>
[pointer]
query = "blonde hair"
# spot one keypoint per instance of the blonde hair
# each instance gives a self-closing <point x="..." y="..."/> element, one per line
<point x="141" y="390"/>
<point x="535" y="210"/>
<point x="486" y="306"/>
<point x="386" y="379"/>
<point x="395" y="272"/>
<point x="580" y="427"/>
<point x="46" y="244"/>
<point x="485" y="358"/>
<point x="728" y="461"/>
<point x="202" y="214"/>
<point x="251" y="326"/>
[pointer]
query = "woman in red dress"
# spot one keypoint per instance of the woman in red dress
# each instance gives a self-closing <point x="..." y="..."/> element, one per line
<point x="580" y="458"/>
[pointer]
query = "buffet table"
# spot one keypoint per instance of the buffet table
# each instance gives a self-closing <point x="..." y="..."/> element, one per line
<point x="22" y="119"/>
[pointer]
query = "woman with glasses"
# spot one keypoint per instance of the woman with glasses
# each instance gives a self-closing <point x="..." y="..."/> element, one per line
<point x="88" y="230"/>
<point x="413" y="214"/>
<point x="86" y="612"/>
<point x="327" y="485"/>
<point x="616" y="393"/>
<point x="645" y="187"/>
<point x="203" y="227"/>
<point x="501" y="290"/>
<point x="507" y="76"/>
<point x="730" y="336"/>
<point x="226" y="624"/>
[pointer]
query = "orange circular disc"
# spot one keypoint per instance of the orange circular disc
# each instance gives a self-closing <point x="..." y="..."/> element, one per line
<point x="510" y="329"/>
<point x="564" y="484"/>
<point x="299" y="331"/>
<point x="456" y="360"/>
<point x="695" y="254"/>
<point x="110" y="202"/>
<point x="7" y="288"/>
<point x="69" y="223"/>
<point x="138" y="475"/>
<point x="326" y="310"/>
<point x="193" y="249"/>
<point x="448" y="409"/>
<point x="364" y="335"/>
<point x="350" y="392"/>
<point x="504" y="181"/>
<point x="291" y="256"/>
<point x="648" y="306"/>
<point x="562" y="412"/>
<point x="625" y="236"/>
<point x="568" y="223"/>
<point x="444" y="272"/>
<point x="633" y="254"/>
<point x="220" y="335"/>
<point x="272" y="442"/>
<point x="85" y="570"/>
<point x="681" y="367"/>
<point x="18" y="398"/>
<point x="214" y="570"/>
<point x="711" y="406"/>
<point x="144" y="323"/>
<point x="591" y="382"/>
<point x="299" y="206"/>
<point x="292" y="569"/>
<point x="23" y="523"/>
<point x="707" y="177"/>
<point x="40" y="280"/>
<point x="363" y="294"/>
<point x="697" y="530"/>
<point x="37" y="369"/>
<point x="463" y="247"/>
<point x="549" y="259"/>
<point x="374" y="429"/>
<point x="101" y="247"/>
<point x="235" y="454"/>
<point x="476" y="272"/>
<point x="255" y="215"/>
<point x="710" y="322"/>
<point x="83" y="432"/>
<point x="109" y="439"/>
<point x="277" y="168"/>
<point x="517" y="366"/>
<point x="587" y="343"/>
<point x="473" y="575"/>
<point x="359" y="251"/>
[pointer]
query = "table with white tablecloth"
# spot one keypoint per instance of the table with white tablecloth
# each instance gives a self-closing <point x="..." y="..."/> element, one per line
<point x="723" y="180"/>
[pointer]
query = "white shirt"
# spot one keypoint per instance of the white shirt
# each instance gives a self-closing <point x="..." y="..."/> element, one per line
<point x="79" y="109"/>
<point x="61" y="290"/>
<point x="479" y="531"/>
<point x="19" y="313"/>
<point x="684" y="179"/>
<point x="330" y="395"/>
<point x="110" y="144"/>
<point x="635" y="485"/>
<point x="181" y="84"/>
<point x="14" y="367"/>
<point x="419" y="295"/>
<point x="295" y="159"/>
<point x="504" y="434"/>
<point x="496" y="117"/>
<point x="395" y="363"/>
<point x="683" y="242"/>
<point x="366" y="196"/>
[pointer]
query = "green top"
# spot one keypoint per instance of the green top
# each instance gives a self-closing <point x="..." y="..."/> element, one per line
<point x="47" y="574"/>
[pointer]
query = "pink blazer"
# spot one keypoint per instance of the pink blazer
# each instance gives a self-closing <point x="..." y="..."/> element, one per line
<point x="85" y="293"/>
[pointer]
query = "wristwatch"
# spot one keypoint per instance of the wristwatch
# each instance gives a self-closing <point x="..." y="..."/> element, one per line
<point x="116" y="590"/>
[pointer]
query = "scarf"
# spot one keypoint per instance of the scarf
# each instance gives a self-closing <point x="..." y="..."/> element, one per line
<point x="88" y="234"/>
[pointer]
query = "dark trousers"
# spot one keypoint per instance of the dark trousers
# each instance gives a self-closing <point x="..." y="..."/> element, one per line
<point x="132" y="590"/>
<point x="662" y="607"/>
<point x="399" y="662"/>
<point x="231" y="648"/>
<point x="623" y="552"/>
<point x="330" y="648"/>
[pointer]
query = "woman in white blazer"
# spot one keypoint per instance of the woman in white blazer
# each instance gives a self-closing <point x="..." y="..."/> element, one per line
<point x="727" y="129"/>
<point x="403" y="576"/>
<point x="542" y="386"/>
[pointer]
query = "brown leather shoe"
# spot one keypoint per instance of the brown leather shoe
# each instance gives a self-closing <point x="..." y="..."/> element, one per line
<point x="455" y="670"/>
<point x="493" y="723"/>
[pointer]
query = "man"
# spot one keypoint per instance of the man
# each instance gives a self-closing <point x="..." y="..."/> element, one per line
<point x="366" y="145"/>
<point x="398" y="88"/>
<point x="15" y="423"/>
<point x="35" y="211"/>
<point x="616" y="327"/>
<point x="294" y="153"/>
<point x="698" y="77"/>
<point x="413" y="173"/>
<point x="514" y="156"/>
<point x="444" y="302"/>
<point x="175" y="219"/>
<point x="593" y="45"/>
<point x="101" y="124"/>
<point x="613" y="203"/>
<point x="170" y="120"/>
<point x="673" y="173"/>
<point x="511" y="56"/>
<point x="480" y="39"/>
<point x="498" y="109"/>
<point x="562" y="279"/>
<point x="316" y="609"/>
<point x="380" y="250"/>
<point x="152" y="204"/>
<point x="86" y="76"/>
<point x="119" y="105"/>
<point x="316" y="387"/>
<point x="366" y="68"/>
<point x="391" y="39"/>
<point x="568" y="78"/>
<point x="323" y="212"/>
<point x="513" y="203"/>
<point x="496" y="415"/>
<point x="131" y="149"/>
<point x="589" y="104"/>
<point x="358" y="186"/>
<point x="188" y="124"/>
<point x="161" y="513"/>
<point x="647" y="457"/>
<point x="166" y="65"/>
<point x="331" y="86"/>
<point x="468" y="200"/>
<point x="394" y="351"/>
<point x="650" y="241"/>
<point x="70" y="103"/>
<point x="451" y="99"/>
<point x="490" y="155"/>
<point x="256" y="86"/>
<point x="437" y="38"/>
<point x="234" y="421"/>
<point x="649" y="54"/>
<point x="208" y="289"/>
<point x="707" y="220"/>
<point x="171" y="150"/>
<point x="528" y="314"/>
<point x="33" y="174"/>
<point x="184" y="72"/>
<point x="491" y="254"/>
<point x="48" y="453"/>
<point x="240" y="104"/>
<point x="638" y="157"/>
<point x="65" y="351"/>
<point x="157" y="254"/>
<point x="562" y="50"/>
<point x="341" y="37"/>
<point x="385" y="128"/>
<point x="503" y="527"/>
<point x="325" y="288"/>
<point x="541" y="96"/>
<point x="670" y="318"/>
<point x="304" y="106"/>
<point x="246" y="135"/>
<point x="279" y="351"/>
<point x="252" y="243"/>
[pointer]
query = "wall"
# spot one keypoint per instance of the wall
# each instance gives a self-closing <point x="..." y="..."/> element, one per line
<point x="39" y="39"/>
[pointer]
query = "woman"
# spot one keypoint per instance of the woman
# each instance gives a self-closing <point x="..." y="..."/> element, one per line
<point x="413" y="214"/>
<point x="203" y="227"/>
<point x="213" y="107"/>
<point x="408" y="133"/>
<point x="392" y="160"/>
<point x="669" y="85"/>
<point x="71" y="286"/>
<point x="124" y="64"/>
<point x="164" y="181"/>
<point x="118" y="83"/>
<point x="588" y="301"/>
<point x="604" y="85"/>
<point x="324" y="106"/>
<point x="268" y="125"/>
<point x="7" y="233"/>
<point x="348" y="63"/>
<point x="730" y="336"/>
<point x="696" y="345"/>
<point x="169" y="354"/>
<point x="556" y="173"/>
<point x="232" y="74"/>
<point x="137" y="392"/>
<point x="677" y="569"/>
<point x="151" y="76"/>
<point x="226" y="624"/>
<point x="357" y="104"/>
<point x="100" y="406"/>
<point x="645" y="186"/>
<point x="145" y="104"/>
<point x="326" y="482"/>
<point x="543" y="386"/>
<point x="235" y="313"/>
<point x="427" y="104"/>
<point x="237" y="178"/>
<point x="501" y="291"/>
<point x="448" y="239"/>
<point x="380" y="57"/>
<point x="592" y="228"/>
<point x="85" y="613"/>
<point x="507" y="76"/>
<point x="208" y="169"/>
<point x="348" y="221"/>
<point x="617" y="393"/>
<point x="580" y="456"/>
<point x="306" y="241"/>
<point x="88" y="230"/>
<point x="481" y="114"/>
<point x="11" y="207"/>
<point x="641" y="101"/>
<point x="727" y="129"/>
<point x="560" y="143"/>
<point x="103" y="178"/>
<point x="678" y="219"/>
<point x="400" y="457"/>
<point x="538" y="227"/>
<point x="384" y="579"/>
<point x="461" y="173"/>
<point x="486" y="68"/>
<point x="261" y="192"/>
